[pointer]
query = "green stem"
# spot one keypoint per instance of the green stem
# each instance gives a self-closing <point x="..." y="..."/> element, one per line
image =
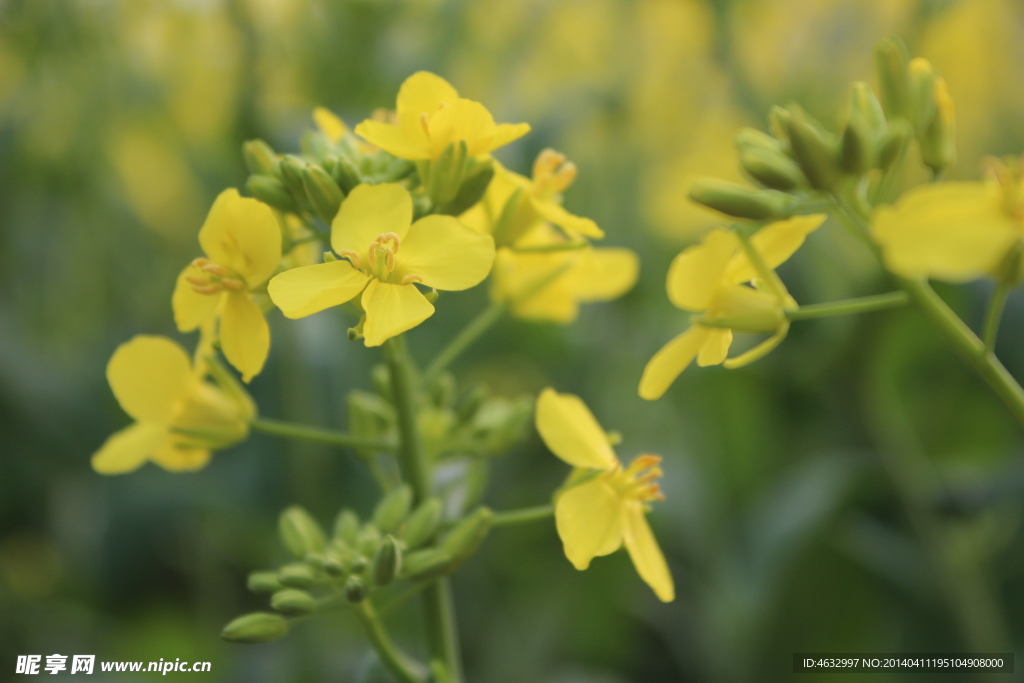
<point x="404" y="669"/>
<point x="463" y="340"/>
<point x="442" y="634"/>
<point x="994" y="315"/>
<point x="289" y="430"/>
<point x="522" y="516"/>
<point x="865" y="304"/>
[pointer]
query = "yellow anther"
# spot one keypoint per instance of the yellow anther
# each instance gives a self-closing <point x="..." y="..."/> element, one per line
<point x="552" y="174"/>
<point x="200" y="262"/>
<point x="384" y="238"/>
<point x="197" y="281"/>
<point x="410" y="278"/>
<point x="353" y="258"/>
<point x="233" y="284"/>
<point x="211" y="288"/>
<point x="547" y="161"/>
<point x="564" y="177"/>
<point x="214" y="269"/>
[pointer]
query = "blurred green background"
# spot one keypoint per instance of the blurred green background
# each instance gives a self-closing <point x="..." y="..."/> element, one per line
<point x="786" y="521"/>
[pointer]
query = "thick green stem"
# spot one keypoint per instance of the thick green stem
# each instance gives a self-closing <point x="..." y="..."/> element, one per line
<point x="405" y="670"/>
<point x="864" y="304"/>
<point x="463" y="340"/>
<point x="522" y="516"/>
<point x="994" y="315"/>
<point x="442" y="633"/>
<point x="291" y="430"/>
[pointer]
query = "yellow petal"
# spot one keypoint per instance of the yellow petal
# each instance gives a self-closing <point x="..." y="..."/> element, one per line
<point x="557" y="214"/>
<point x="697" y="272"/>
<point x="515" y="275"/>
<point x="148" y="376"/>
<point x="951" y="231"/>
<point x="176" y="457"/>
<point x="191" y="309"/>
<point x="506" y="133"/>
<point x="395" y="140"/>
<point x="775" y="243"/>
<point x="445" y="253"/>
<point x="462" y="120"/>
<point x="670" y="361"/>
<point x="368" y="212"/>
<point x="589" y="522"/>
<point x="329" y="124"/>
<point x="422" y="93"/>
<point x="128" y="449"/>
<point x="242" y="234"/>
<point x="759" y="351"/>
<point x="646" y="555"/>
<point x="244" y="335"/>
<point x="391" y="310"/>
<point x="604" y="274"/>
<point x="570" y="431"/>
<point x="307" y="290"/>
<point x="715" y="347"/>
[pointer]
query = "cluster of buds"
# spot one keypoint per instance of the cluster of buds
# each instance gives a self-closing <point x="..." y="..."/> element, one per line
<point x="398" y="543"/>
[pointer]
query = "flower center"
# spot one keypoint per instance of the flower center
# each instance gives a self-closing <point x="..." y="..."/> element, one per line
<point x="638" y="481"/>
<point x="552" y="174"/>
<point x="214" y="278"/>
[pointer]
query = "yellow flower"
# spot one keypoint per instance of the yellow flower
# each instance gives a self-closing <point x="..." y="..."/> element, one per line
<point x="550" y="285"/>
<point x="431" y="115"/>
<point x="329" y="124"/>
<point x="605" y="508"/>
<point x="242" y="242"/>
<point x="711" y="279"/>
<point x="179" y="416"/>
<point x="953" y="231"/>
<point x="382" y="256"/>
<point x="534" y="200"/>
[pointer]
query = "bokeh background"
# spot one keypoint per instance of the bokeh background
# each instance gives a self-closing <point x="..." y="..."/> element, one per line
<point x="857" y="490"/>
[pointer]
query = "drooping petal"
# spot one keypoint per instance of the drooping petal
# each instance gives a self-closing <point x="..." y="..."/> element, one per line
<point x="395" y="140"/>
<point x="445" y="253"/>
<point x="175" y="457"/>
<point x="391" y="310"/>
<point x="244" y="335"/>
<point x="535" y="286"/>
<point x="310" y="289"/>
<point x="243" y="235"/>
<point x="571" y="432"/>
<point x="644" y="551"/>
<point x="697" y="271"/>
<point x="507" y="132"/>
<point x="951" y="231"/>
<point x="775" y="243"/>
<point x="368" y="212"/>
<point x="422" y="93"/>
<point x="464" y="120"/>
<point x="589" y="522"/>
<point x="715" y="347"/>
<point x="128" y="449"/>
<point x="670" y="361"/>
<point x="149" y="375"/>
<point x="191" y="309"/>
<point x="557" y="214"/>
<point x="604" y="274"/>
<point x="329" y="124"/>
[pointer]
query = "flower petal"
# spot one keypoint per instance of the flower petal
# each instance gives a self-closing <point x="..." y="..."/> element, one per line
<point x="329" y="124"/>
<point x="368" y="212"/>
<point x="445" y="253"/>
<point x="175" y="457"/>
<point x="244" y="334"/>
<point x="569" y="429"/>
<point x="775" y="243"/>
<point x="670" y="361"/>
<point x="571" y="223"/>
<point x="715" y="347"/>
<point x="604" y="274"/>
<point x="243" y="235"/>
<point x="697" y="271"/>
<point x="395" y="140"/>
<point x="462" y="120"/>
<point x="589" y="522"/>
<point x="391" y="310"/>
<point x="191" y="308"/>
<point x="646" y="555"/>
<point x="310" y="289"/>
<point x="422" y="93"/>
<point x="148" y="375"/>
<point x="507" y="132"/>
<point x="515" y="275"/>
<point x="128" y="449"/>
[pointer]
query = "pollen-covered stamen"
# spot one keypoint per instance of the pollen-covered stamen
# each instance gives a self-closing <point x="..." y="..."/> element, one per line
<point x="214" y="269"/>
<point x="353" y="258"/>
<point x="382" y="256"/>
<point x="233" y="284"/>
<point x="552" y="173"/>
<point x="212" y="278"/>
<point x="411" y="278"/>
<point x="638" y="481"/>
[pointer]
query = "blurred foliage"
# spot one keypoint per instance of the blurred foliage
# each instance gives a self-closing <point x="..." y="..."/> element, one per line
<point x="120" y="121"/>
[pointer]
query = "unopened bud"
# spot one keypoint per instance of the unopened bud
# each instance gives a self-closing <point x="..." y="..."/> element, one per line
<point x="257" y="627"/>
<point x="270" y="191"/>
<point x="263" y="582"/>
<point x="297" y="575"/>
<point x="387" y="562"/>
<point x="750" y="138"/>
<point x="396" y="170"/>
<point x="741" y="202"/>
<point x="346" y="527"/>
<point x="260" y="159"/>
<point x="813" y="151"/>
<point x="891" y="62"/>
<point x="369" y="540"/>
<point x="856" y="146"/>
<point x="293" y="602"/>
<point x="778" y="122"/>
<point x="393" y="508"/>
<point x="467" y="535"/>
<point x="938" y="140"/>
<point x="892" y="144"/>
<point x="345" y="174"/>
<point x="324" y="194"/>
<point x="423" y="523"/>
<point x="772" y="169"/>
<point x="300" y="533"/>
<point x="355" y="589"/>
<point x="471" y="189"/>
<point x="291" y="173"/>
<point x="333" y="565"/>
<point x="426" y="563"/>
<point x="432" y="296"/>
<point x="864" y="102"/>
<point x="446" y="172"/>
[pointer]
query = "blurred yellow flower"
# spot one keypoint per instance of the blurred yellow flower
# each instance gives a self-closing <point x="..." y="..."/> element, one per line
<point x="952" y="231"/>
<point x="604" y="505"/>
<point x="382" y="256"/>
<point x="179" y="416"/>
<point x="242" y="242"/>
<point x="711" y="279"/>
<point x="431" y="115"/>
<point x="329" y="124"/>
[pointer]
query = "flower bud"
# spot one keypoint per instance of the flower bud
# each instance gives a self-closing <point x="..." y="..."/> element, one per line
<point x="446" y="172"/>
<point x="778" y="122"/>
<point x="345" y="174"/>
<point x="891" y="62"/>
<point x="369" y="540"/>
<point x="892" y="144"/>
<point x="300" y="533"/>
<point x="422" y="524"/>
<point x="393" y="508"/>
<point x="387" y="562"/>
<point x="741" y="202"/>
<point x="355" y="589"/>
<point x="471" y="190"/>
<point x="291" y="173"/>
<point x="263" y="582"/>
<point x="857" y="149"/>
<point x="346" y="528"/>
<point x="938" y="139"/>
<point x="467" y="535"/>
<point x="260" y="159"/>
<point x="432" y="296"/>
<point x="750" y="138"/>
<point x="297" y="575"/>
<point x="772" y="169"/>
<point x="471" y="402"/>
<point x="334" y="565"/>
<point x="813" y="151"/>
<point x="257" y="627"/>
<point x="864" y="102"/>
<point x="396" y="170"/>
<point x="425" y="564"/>
<point x="270" y="191"/>
<point x="293" y="602"/>
<point x="324" y="194"/>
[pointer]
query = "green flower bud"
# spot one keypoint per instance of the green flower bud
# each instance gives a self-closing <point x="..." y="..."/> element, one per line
<point x="263" y="582"/>
<point x="864" y="102"/>
<point x="857" y="149"/>
<point x="891" y="62"/>
<point x="432" y="296"/>
<point x="270" y="191"/>
<point x="425" y="564"/>
<point x="471" y="402"/>
<point x="300" y="533"/>
<point x="346" y="528"/>
<point x="749" y="138"/>
<point x="369" y="540"/>
<point x="813" y="151"/>
<point x="892" y="144"/>
<point x="345" y="174"/>
<point x="446" y="172"/>
<point x="393" y="508"/>
<point x="422" y="524"/>
<point x="357" y="564"/>
<point x="297" y="575"/>
<point x="472" y="189"/>
<point x="324" y="194"/>
<point x="467" y="535"/>
<point x="741" y="202"/>
<point x="778" y="123"/>
<point x="938" y="140"/>
<point x="396" y="170"/>
<point x="355" y="589"/>
<point x="772" y="169"/>
<point x="257" y="627"/>
<point x="293" y="602"/>
<point x="291" y="173"/>
<point x="334" y="565"/>
<point x="260" y="159"/>
<point x="314" y="144"/>
<point x="387" y="562"/>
